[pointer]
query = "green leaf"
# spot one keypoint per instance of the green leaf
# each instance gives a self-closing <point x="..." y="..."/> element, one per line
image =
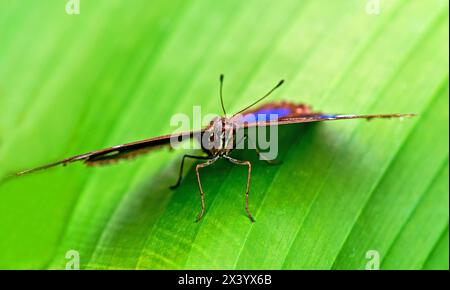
<point x="119" y="71"/>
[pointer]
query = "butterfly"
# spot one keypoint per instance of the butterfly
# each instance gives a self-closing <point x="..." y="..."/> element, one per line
<point x="217" y="140"/>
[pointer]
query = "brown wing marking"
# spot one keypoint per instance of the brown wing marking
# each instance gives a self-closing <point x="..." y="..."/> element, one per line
<point x="115" y="153"/>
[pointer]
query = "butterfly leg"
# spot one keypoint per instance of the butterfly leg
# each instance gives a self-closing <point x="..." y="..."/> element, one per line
<point x="201" y="165"/>
<point x="249" y="166"/>
<point x="180" y="176"/>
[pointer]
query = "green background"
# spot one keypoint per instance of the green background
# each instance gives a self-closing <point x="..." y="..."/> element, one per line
<point x="119" y="70"/>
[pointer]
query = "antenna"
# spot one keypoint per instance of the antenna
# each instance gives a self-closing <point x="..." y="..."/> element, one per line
<point x="221" y="95"/>
<point x="263" y="97"/>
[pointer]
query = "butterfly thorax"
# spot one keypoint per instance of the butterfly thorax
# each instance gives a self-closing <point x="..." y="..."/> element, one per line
<point x="218" y="137"/>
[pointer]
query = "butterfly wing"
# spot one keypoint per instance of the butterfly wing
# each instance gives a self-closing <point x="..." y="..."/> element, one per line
<point x="116" y="153"/>
<point x="282" y="113"/>
<point x="276" y="110"/>
<point x="131" y="150"/>
<point x="321" y="118"/>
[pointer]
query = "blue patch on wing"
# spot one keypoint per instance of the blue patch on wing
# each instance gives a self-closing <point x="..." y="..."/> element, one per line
<point x="327" y="116"/>
<point x="265" y="115"/>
